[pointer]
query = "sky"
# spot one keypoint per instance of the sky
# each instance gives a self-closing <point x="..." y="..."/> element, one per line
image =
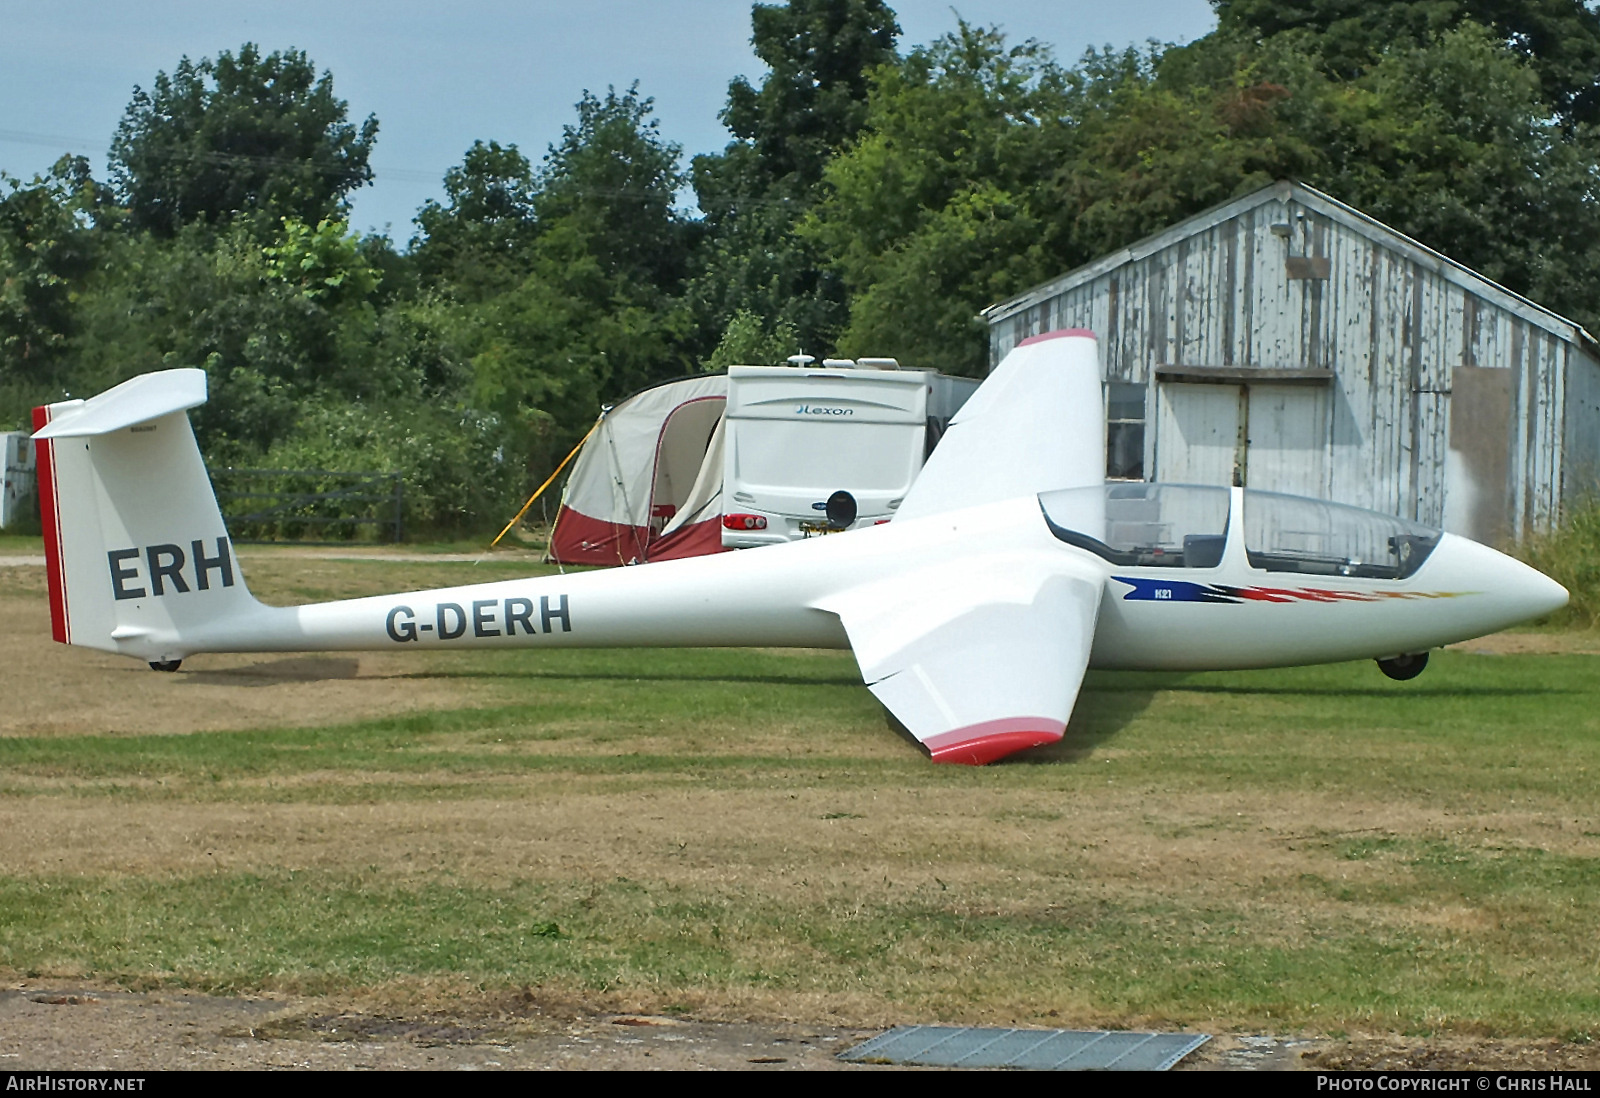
<point x="440" y="76"/>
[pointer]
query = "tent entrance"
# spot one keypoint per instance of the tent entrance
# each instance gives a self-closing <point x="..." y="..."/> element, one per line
<point x="685" y="439"/>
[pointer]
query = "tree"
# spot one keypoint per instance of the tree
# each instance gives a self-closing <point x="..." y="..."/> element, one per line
<point x="749" y="342"/>
<point x="810" y="104"/>
<point x="814" y="99"/>
<point x="1559" y="38"/>
<point x="477" y="238"/>
<point x="595" y="311"/>
<point x="613" y="181"/>
<point x="240" y="134"/>
<point x="51" y="240"/>
<point x="323" y="264"/>
<point x="939" y="206"/>
<point x="1163" y="134"/>
<point x="1452" y="143"/>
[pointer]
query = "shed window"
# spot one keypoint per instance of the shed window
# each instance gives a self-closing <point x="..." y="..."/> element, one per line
<point x="1125" y="430"/>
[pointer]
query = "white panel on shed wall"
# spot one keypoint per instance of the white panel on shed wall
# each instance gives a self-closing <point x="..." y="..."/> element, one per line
<point x="1273" y="310"/>
<point x="1518" y="360"/>
<point x="1547" y="415"/>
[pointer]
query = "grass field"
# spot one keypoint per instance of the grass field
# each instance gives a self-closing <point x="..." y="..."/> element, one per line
<point x="742" y="834"/>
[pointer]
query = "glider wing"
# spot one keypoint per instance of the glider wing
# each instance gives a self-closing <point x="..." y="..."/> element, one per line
<point x="1037" y="423"/>
<point x="981" y="657"/>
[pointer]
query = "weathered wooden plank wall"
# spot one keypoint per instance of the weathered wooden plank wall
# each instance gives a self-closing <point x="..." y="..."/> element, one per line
<point x="1392" y="321"/>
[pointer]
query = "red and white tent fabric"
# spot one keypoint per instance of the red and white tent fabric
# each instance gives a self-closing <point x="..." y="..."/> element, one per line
<point x="648" y="483"/>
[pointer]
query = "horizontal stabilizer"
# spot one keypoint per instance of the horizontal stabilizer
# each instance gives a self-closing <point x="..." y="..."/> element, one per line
<point x="137" y="400"/>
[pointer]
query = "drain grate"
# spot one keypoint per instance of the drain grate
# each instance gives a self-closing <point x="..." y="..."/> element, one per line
<point x="1034" y="1049"/>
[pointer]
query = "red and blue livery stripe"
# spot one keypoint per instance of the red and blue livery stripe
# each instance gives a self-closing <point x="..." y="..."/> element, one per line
<point x="1165" y="590"/>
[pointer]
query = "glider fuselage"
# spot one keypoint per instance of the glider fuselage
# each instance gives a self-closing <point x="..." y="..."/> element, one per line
<point x="1228" y="615"/>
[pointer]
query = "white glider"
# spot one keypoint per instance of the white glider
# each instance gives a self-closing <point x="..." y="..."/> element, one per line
<point x="1010" y="568"/>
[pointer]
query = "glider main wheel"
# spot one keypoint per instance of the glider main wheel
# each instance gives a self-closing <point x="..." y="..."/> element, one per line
<point x="1404" y="667"/>
<point x="165" y="665"/>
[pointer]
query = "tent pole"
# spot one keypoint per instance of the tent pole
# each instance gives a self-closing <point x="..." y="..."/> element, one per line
<point x="548" y="481"/>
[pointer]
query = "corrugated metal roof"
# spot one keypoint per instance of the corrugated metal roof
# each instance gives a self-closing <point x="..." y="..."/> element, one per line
<point x="1332" y="208"/>
<point x="1033" y="1049"/>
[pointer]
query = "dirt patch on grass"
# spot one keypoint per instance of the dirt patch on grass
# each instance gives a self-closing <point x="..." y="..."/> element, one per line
<point x="45" y="1027"/>
<point x="1568" y="643"/>
<point x="782" y="846"/>
<point x="58" y="690"/>
<point x="1381" y="1053"/>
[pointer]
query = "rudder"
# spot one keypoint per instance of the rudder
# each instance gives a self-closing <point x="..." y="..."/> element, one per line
<point x="135" y="547"/>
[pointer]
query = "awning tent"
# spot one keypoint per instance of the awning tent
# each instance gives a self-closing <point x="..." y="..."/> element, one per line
<point x="648" y="483"/>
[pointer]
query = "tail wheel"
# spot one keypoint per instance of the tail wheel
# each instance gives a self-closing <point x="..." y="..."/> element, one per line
<point x="165" y="665"/>
<point x="1404" y="667"/>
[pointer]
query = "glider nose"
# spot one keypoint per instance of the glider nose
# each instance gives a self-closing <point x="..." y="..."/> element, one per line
<point x="1517" y="591"/>
<point x="1544" y="593"/>
<point x="1529" y="590"/>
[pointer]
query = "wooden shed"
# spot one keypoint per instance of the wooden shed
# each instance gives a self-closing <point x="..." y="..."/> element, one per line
<point x="1289" y="342"/>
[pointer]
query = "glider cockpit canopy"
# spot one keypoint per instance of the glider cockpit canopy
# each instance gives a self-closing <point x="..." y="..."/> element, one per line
<point x="1186" y="526"/>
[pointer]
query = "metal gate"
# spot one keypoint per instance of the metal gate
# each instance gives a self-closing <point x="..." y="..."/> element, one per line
<point x="286" y="504"/>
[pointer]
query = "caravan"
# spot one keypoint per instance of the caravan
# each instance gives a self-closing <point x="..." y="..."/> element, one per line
<point x="794" y="436"/>
<point x="16" y="462"/>
<point x="750" y="458"/>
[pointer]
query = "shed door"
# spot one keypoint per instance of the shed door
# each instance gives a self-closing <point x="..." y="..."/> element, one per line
<point x="1271" y="437"/>
<point x="1287" y="431"/>
<point x="1198" y="437"/>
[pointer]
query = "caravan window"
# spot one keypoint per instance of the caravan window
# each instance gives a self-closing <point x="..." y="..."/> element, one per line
<point x="1312" y="536"/>
<point x="826" y="456"/>
<point x="1145" y="525"/>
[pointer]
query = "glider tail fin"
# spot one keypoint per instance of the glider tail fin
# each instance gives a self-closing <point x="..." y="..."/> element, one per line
<point x="137" y="555"/>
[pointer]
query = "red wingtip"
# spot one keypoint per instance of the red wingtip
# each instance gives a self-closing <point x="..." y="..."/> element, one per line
<point x="981" y="744"/>
<point x="1059" y="333"/>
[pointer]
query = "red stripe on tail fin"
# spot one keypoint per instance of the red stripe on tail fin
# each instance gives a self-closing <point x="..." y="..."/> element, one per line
<point x="50" y="514"/>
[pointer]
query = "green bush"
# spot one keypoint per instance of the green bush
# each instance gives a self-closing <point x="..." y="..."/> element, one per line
<point x="453" y="463"/>
<point x="1570" y="555"/>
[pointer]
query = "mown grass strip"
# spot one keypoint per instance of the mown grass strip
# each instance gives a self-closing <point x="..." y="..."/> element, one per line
<point x="1475" y="727"/>
<point x="1112" y="959"/>
<point x="918" y="910"/>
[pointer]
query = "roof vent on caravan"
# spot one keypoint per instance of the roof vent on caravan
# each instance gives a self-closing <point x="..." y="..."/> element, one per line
<point x="839" y="363"/>
<point x="878" y="363"/>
